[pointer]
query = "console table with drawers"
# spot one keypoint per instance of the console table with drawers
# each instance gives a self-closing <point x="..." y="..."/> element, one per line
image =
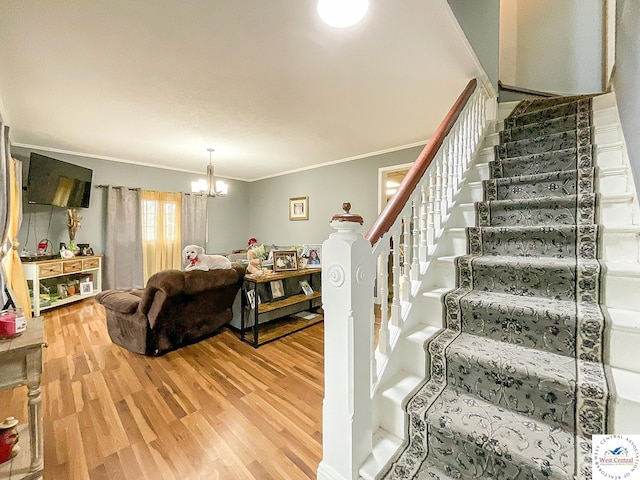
<point x="57" y="271"/>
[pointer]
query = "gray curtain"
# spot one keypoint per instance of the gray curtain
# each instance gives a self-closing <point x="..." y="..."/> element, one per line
<point x="194" y="219"/>
<point x="123" y="252"/>
<point x="5" y="199"/>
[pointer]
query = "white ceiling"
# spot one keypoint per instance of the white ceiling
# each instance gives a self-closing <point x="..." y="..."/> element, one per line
<point x="264" y="82"/>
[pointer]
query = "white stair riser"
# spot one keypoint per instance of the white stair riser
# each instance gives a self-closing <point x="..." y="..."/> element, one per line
<point x="456" y="243"/>
<point x="622" y="291"/>
<point x="391" y="416"/>
<point x="607" y="134"/>
<point x="615" y="214"/>
<point x="464" y="215"/>
<point x="432" y="308"/>
<point x="470" y="193"/>
<point x="610" y="156"/>
<point x="623" y="349"/>
<point x="618" y="183"/>
<point x="620" y="247"/>
<point x="478" y="173"/>
<point x="626" y="417"/>
<point x="414" y="359"/>
<point x="605" y="117"/>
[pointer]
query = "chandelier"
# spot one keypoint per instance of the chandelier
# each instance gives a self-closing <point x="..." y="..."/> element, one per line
<point x="210" y="186"/>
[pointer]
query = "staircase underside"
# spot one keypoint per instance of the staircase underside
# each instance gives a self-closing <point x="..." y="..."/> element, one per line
<point x="517" y="385"/>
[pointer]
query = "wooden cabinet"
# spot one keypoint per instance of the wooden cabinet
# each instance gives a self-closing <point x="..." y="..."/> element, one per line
<point x="49" y="273"/>
<point x="268" y="299"/>
<point x="21" y="364"/>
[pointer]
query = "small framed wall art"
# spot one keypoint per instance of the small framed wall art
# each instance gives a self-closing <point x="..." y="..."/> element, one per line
<point x="299" y="208"/>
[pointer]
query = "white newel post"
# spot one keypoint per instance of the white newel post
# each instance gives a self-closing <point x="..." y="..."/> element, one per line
<point x="347" y="299"/>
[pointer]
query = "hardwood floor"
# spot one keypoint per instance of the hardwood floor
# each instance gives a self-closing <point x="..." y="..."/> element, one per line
<point x="219" y="409"/>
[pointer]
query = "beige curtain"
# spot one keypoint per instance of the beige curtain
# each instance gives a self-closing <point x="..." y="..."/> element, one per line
<point x="161" y="221"/>
<point x="11" y="264"/>
<point x="194" y="219"/>
<point x="123" y="252"/>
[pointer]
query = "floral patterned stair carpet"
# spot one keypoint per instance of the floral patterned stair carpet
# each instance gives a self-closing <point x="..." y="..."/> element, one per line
<point x="517" y="384"/>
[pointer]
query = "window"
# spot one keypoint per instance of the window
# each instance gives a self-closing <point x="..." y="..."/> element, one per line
<point x="160" y="231"/>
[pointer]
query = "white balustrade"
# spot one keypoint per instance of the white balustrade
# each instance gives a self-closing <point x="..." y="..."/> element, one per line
<point x="353" y="365"/>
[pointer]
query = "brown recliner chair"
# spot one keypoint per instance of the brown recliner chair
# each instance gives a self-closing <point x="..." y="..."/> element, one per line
<point x="175" y="308"/>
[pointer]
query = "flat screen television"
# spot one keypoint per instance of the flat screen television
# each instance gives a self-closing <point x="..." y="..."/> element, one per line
<point x="54" y="182"/>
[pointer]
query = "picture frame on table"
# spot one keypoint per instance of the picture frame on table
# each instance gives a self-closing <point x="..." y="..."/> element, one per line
<point x="312" y="253"/>
<point x="299" y="208"/>
<point x="86" y="288"/>
<point x="251" y="298"/>
<point x="277" y="289"/>
<point x="306" y="288"/>
<point x="285" y="261"/>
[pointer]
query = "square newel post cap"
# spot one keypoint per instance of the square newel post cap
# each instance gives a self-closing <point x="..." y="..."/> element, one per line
<point x="346" y="220"/>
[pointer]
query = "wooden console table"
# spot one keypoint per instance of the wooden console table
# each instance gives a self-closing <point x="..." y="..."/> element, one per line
<point x="21" y="364"/>
<point x="76" y="267"/>
<point x="293" y="301"/>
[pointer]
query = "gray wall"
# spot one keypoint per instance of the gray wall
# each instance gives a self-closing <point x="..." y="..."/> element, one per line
<point x="258" y="209"/>
<point x="560" y="45"/>
<point x="626" y="79"/>
<point x="480" y="21"/>
<point x="226" y="228"/>
<point x="328" y="188"/>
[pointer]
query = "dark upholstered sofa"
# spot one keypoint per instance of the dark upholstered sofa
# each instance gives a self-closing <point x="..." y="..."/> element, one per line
<point x="174" y="309"/>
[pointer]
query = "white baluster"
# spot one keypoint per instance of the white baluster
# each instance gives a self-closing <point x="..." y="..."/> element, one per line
<point x="431" y="234"/>
<point x="424" y="207"/>
<point x="444" y="203"/>
<point x="383" y="333"/>
<point x="452" y="185"/>
<point x="452" y="160"/>
<point x="438" y="203"/>
<point x="395" y="280"/>
<point x="405" y="285"/>
<point x="415" y="239"/>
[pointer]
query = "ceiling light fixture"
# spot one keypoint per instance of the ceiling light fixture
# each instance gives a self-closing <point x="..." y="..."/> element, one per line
<point x="212" y="187"/>
<point x="342" y="13"/>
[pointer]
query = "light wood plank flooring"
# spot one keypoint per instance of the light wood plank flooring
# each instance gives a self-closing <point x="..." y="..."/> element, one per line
<point x="219" y="409"/>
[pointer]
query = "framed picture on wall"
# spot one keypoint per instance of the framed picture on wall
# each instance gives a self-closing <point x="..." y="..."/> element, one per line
<point x="299" y="208"/>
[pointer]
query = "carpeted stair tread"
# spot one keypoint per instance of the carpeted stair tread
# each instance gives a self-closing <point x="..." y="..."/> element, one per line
<point x="544" y="143"/>
<point x="431" y="470"/>
<point x="547" y="277"/>
<point x="526" y="380"/>
<point x="532" y="322"/>
<point x="514" y="446"/>
<point x="545" y="127"/>
<point x="561" y="110"/>
<point x="536" y="163"/>
<point x="547" y="210"/>
<point x="550" y="241"/>
<point x="562" y="182"/>
<point x="530" y="106"/>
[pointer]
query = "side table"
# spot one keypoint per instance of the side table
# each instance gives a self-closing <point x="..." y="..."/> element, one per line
<point x="21" y="364"/>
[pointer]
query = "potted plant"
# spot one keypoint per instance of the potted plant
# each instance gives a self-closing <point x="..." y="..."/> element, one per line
<point x="72" y="286"/>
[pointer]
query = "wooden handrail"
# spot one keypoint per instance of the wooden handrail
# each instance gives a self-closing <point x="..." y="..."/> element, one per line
<point x="391" y="211"/>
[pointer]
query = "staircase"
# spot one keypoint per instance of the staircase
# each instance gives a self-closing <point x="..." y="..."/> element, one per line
<point x="509" y="288"/>
<point x="517" y="384"/>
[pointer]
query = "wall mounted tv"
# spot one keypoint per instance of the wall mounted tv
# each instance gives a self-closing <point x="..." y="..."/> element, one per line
<point x="54" y="182"/>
